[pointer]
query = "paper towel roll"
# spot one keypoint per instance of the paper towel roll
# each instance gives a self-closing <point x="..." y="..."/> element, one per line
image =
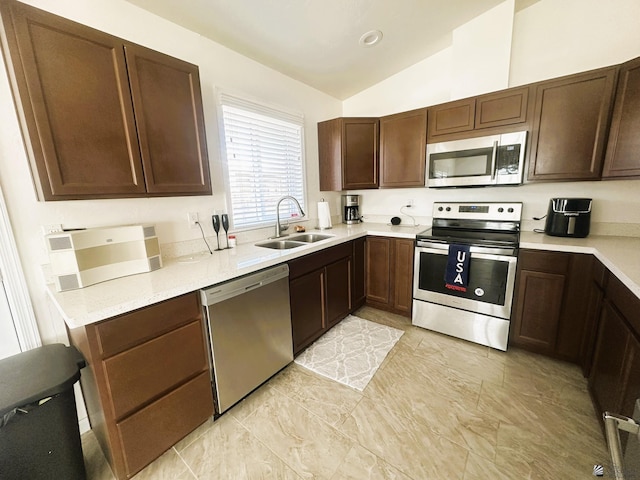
<point x="324" y="215"/>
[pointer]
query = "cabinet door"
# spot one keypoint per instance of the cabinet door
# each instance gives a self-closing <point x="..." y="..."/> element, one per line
<point x="538" y="298"/>
<point x="358" y="292"/>
<point x="623" y="149"/>
<point x="338" y="290"/>
<point x="378" y="268"/>
<point x="402" y="277"/>
<point x="359" y="153"/>
<point x="403" y="141"/>
<point x="571" y="124"/>
<point x="605" y="382"/>
<point x="502" y="108"/>
<point x="75" y="104"/>
<point x="330" y="155"/>
<point x="452" y="117"/>
<point x="306" y="295"/>
<point x="537" y="310"/>
<point x="168" y="111"/>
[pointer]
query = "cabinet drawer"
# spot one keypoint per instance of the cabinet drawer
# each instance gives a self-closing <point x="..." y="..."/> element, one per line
<point x="312" y="262"/>
<point x="144" y="372"/>
<point x="154" y="429"/>
<point x="543" y="261"/>
<point x="123" y="332"/>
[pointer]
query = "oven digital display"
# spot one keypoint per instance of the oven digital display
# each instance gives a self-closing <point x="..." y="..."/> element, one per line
<point x="473" y="209"/>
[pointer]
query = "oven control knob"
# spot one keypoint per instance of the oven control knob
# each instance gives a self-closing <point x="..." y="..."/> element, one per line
<point x="440" y="209"/>
<point x="479" y="292"/>
<point x="448" y="209"/>
<point x="510" y="210"/>
<point x="500" y="209"/>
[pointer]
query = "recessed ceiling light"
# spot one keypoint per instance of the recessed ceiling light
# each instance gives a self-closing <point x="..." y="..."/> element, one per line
<point x="370" y="38"/>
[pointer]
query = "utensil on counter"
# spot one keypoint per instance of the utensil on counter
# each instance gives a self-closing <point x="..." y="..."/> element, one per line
<point x="215" y="219"/>
<point x="225" y="226"/>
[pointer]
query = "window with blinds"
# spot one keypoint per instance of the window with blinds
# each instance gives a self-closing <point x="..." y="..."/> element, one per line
<point x="264" y="161"/>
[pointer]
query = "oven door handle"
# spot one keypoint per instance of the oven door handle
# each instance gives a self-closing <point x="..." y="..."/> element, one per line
<point x="481" y="252"/>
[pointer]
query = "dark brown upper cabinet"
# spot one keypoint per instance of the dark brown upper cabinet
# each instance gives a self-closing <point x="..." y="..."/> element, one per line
<point x="623" y="150"/>
<point x="348" y="153"/>
<point x="499" y="109"/>
<point x="570" y="126"/>
<point x="403" y="141"/>
<point x="102" y="118"/>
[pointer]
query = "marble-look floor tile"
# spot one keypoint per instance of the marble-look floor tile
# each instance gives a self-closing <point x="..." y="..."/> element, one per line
<point x="329" y="400"/>
<point x="306" y="443"/>
<point x="432" y="375"/>
<point x="169" y="466"/>
<point x="533" y="415"/>
<point x="96" y="465"/>
<point x="193" y="436"/>
<point x="570" y="395"/>
<point x="475" y="363"/>
<point x="361" y="464"/>
<point x="228" y="450"/>
<point x="404" y="442"/>
<point x="552" y="458"/>
<point x="479" y="468"/>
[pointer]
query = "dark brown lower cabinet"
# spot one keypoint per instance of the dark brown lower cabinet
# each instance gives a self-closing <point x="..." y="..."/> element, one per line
<point x="389" y="274"/>
<point x="320" y="290"/>
<point x="549" y="310"/>
<point x="614" y="381"/>
<point x="147" y="384"/>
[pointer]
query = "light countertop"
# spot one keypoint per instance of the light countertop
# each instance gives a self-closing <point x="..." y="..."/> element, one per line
<point x="114" y="297"/>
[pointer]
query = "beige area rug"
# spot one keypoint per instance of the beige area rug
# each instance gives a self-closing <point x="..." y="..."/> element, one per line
<point x="351" y="352"/>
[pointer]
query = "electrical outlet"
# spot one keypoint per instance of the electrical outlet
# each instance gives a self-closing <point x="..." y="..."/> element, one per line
<point x="53" y="228"/>
<point x="410" y="202"/>
<point x="192" y="218"/>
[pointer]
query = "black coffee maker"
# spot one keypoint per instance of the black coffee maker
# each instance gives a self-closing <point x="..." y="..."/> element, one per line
<point x="568" y="217"/>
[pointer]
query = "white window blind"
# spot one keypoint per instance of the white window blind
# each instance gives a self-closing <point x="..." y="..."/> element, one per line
<point x="264" y="160"/>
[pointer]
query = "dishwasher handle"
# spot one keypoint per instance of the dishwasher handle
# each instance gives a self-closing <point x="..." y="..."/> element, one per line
<point x="233" y="288"/>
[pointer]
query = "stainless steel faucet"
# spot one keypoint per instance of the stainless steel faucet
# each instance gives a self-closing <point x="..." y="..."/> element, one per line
<point x="280" y="228"/>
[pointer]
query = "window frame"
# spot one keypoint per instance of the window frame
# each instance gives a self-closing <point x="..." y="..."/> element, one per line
<point x="278" y="113"/>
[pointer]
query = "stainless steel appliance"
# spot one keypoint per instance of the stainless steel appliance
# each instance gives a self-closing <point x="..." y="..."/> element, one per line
<point x="568" y="217"/>
<point x="480" y="161"/>
<point x="479" y="312"/>
<point x="350" y="209"/>
<point x="624" y="449"/>
<point x="249" y="323"/>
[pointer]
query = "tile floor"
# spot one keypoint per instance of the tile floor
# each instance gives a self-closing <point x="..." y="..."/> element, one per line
<point x="438" y="408"/>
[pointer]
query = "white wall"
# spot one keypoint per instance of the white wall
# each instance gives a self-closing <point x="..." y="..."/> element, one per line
<point x="481" y="52"/>
<point x="551" y="38"/>
<point x="219" y="67"/>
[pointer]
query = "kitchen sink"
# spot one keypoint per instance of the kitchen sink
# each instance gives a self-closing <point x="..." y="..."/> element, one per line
<point x="281" y="244"/>
<point x="310" y="237"/>
<point x="294" y="242"/>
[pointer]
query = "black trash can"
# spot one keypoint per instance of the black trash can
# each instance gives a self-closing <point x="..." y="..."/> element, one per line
<point x="39" y="432"/>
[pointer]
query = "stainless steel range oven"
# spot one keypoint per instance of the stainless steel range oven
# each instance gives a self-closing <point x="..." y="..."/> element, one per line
<point x="465" y="269"/>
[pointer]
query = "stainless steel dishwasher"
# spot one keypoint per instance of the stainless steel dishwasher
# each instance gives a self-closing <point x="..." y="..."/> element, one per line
<point x="249" y="323"/>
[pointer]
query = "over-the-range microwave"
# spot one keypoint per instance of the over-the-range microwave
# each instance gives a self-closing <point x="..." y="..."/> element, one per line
<point x="480" y="161"/>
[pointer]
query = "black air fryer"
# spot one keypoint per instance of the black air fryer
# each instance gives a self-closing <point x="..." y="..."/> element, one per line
<point x="568" y="217"/>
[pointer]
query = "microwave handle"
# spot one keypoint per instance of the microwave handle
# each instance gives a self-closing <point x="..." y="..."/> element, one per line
<point x="494" y="154"/>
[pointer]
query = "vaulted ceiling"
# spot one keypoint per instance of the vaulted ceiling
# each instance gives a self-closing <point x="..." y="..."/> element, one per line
<point x="317" y="41"/>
